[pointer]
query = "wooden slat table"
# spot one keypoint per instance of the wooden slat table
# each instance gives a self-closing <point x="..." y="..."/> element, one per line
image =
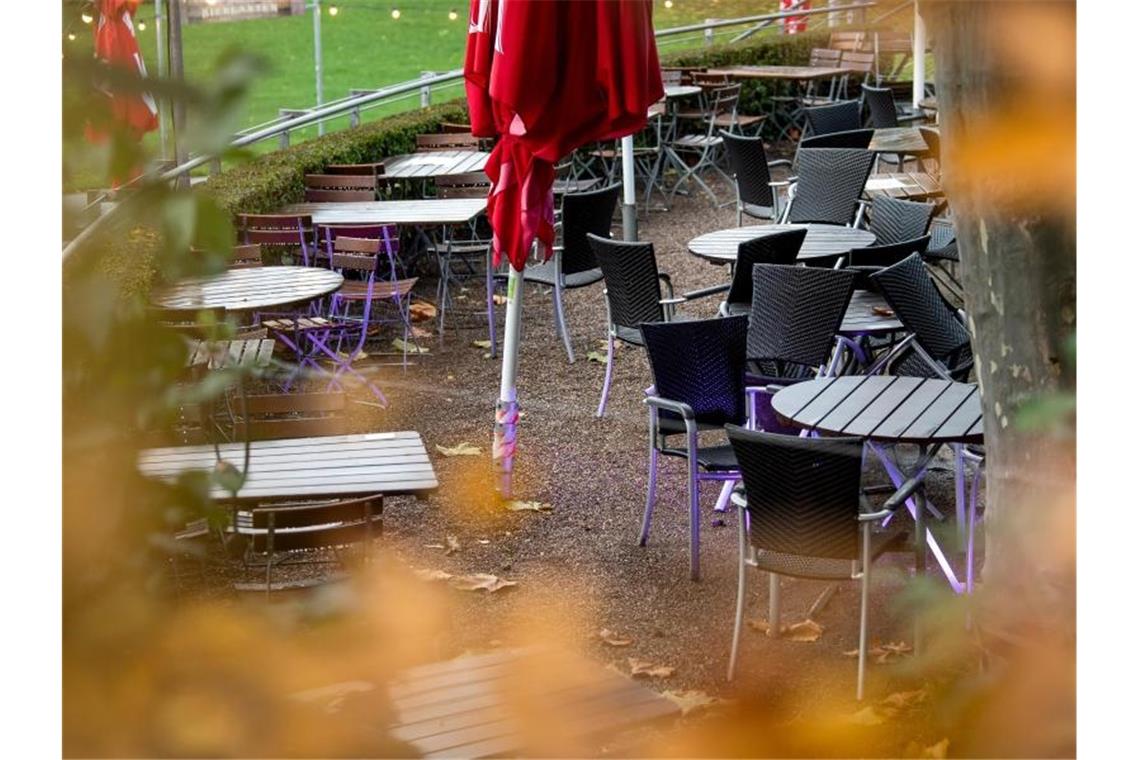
<point x="425" y="213"/>
<point x="434" y="163"/>
<point x="484" y="705"/>
<point x="786" y="73"/>
<point x="253" y="289"/>
<point x="822" y="240"/>
<point x="226" y="354"/>
<point x="907" y="140"/>
<point x="681" y="90"/>
<point x="909" y="186"/>
<point x="389" y="464"/>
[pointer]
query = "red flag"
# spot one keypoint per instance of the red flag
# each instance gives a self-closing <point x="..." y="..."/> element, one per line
<point x="547" y="77"/>
<point x="115" y="44"/>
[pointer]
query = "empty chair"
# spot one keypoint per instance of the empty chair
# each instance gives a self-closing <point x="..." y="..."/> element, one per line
<point x="242" y="256"/>
<point x="942" y="257"/>
<point x="750" y="167"/>
<point x="844" y="116"/>
<point x="283" y="233"/>
<point x="861" y="66"/>
<point x="338" y="188"/>
<point x="671" y="77"/>
<point x="822" y="58"/>
<point x="781" y="248"/>
<point x="274" y="416"/>
<point x="933" y="139"/>
<point x="698" y="381"/>
<point x="447" y="141"/>
<point x="884" y="112"/>
<point x="703" y="148"/>
<point x="466" y="185"/>
<point x="866" y="261"/>
<point x="463" y="252"/>
<point x="574" y="264"/>
<point x="859" y="139"/>
<point x="893" y="220"/>
<point x="802" y="515"/>
<point x="828" y="185"/>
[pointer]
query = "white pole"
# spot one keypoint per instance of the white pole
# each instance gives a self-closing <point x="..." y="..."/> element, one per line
<point x="317" y="59"/>
<point x="507" y="409"/>
<point x="919" y="55"/>
<point x="629" y="190"/>
<point x="163" y="116"/>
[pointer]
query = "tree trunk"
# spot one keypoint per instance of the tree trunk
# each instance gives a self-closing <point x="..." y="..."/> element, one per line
<point x="1005" y="77"/>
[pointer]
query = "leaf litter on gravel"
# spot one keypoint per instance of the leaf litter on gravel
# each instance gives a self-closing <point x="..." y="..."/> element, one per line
<point x="516" y="505"/>
<point x="473" y="582"/>
<point x="891" y="706"/>
<point x="693" y="700"/>
<point x="805" y="631"/>
<point x="452" y="545"/>
<point x="463" y="449"/>
<point x="612" y="638"/>
<point x="646" y="669"/>
<point x="881" y="654"/>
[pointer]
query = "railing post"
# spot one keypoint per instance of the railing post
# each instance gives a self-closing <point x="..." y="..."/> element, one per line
<point x="216" y="166"/>
<point x="709" y="32"/>
<point x="425" y="91"/>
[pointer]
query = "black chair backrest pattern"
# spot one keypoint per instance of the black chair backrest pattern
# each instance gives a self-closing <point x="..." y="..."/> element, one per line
<point x="840" y="117"/>
<point x="582" y="214"/>
<point x="943" y="239"/>
<point x="781" y="248"/>
<point x="796" y="312"/>
<point x="749" y="164"/>
<point x="700" y="363"/>
<point x="933" y="139"/>
<point x="893" y="220"/>
<point x="803" y="493"/>
<point x="881" y="103"/>
<point x="830" y="181"/>
<point x="633" y="289"/>
<point x="851" y="138"/>
<point x="886" y="255"/>
<point x="311" y="525"/>
<point x="918" y="303"/>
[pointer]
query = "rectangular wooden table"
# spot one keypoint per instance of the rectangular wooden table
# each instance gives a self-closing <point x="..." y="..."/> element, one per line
<point x="388" y="464"/>
<point x="907" y="186"/>
<point x="425" y="213"/>
<point x="898" y="140"/>
<point x="787" y="73"/>
<point x="434" y="163"/>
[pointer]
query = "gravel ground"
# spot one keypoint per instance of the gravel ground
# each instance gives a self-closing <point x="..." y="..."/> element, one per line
<point x="578" y="567"/>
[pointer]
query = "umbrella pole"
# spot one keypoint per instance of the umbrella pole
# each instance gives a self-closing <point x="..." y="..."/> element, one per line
<point x="507" y="408"/>
<point x="629" y="190"/>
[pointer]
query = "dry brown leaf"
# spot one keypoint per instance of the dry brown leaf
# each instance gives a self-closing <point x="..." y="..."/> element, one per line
<point x="805" y="630"/>
<point x="481" y="343"/>
<point x="759" y="624"/>
<point x="937" y="751"/>
<point x="903" y="700"/>
<point x="881" y="654"/>
<point x="460" y="450"/>
<point x="499" y="299"/>
<point x="481" y="582"/>
<point x="433" y="575"/>
<point x="528" y="506"/>
<point x="594" y="356"/>
<point x="420" y="332"/>
<point x="407" y="346"/>
<point x="452" y="545"/>
<point x="613" y="639"/>
<point x="422" y="311"/>
<point x="644" y="668"/>
<point x="692" y="700"/>
<point x="868" y="716"/>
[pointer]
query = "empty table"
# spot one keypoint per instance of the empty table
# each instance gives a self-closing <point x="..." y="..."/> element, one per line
<point x="434" y="163"/>
<point x="868" y="314"/>
<point x="898" y="140"/>
<point x="425" y="213"/>
<point x="388" y="464"/>
<point x="907" y="186"/>
<point x="252" y="289"/>
<point x="786" y="73"/>
<point x="822" y="240"/>
<point x="681" y="90"/>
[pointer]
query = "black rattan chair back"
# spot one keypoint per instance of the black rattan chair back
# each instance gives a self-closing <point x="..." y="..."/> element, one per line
<point x="700" y="363"/>
<point x="851" y="138"/>
<point x="803" y="493"/>
<point x="583" y="214"/>
<point x="796" y="312"/>
<point x="840" y="117"/>
<point x="893" y="220"/>
<point x="781" y="248"/>
<point x="917" y="302"/>
<point x="886" y="255"/>
<point x="633" y="289"/>
<point x="749" y="165"/>
<point x="881" y="103"/>
<point x="829" y="185"/>
<point x="943" y="240"/>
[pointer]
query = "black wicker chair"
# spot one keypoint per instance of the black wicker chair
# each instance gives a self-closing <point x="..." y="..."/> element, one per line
<point x="893" y="220"/>
<point x="884" y="113"/>
<point x="781" y="248"/>
<point x="756" y="195"/>
<point x="867" y="261"/>
<point x="942" y="257"/>
<point x="838" y="117"/>
<point x="828" y="185"/>
<point x="802" y="515"/>
<point x="698" y="379"/>
<point x="573" y="264"/>
<point x="792" y="327"/>
<point x="851" y="138"/>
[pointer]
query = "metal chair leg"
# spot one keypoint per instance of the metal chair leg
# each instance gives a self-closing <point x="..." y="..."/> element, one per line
<point x="609" y="376"/>
<point x="651" y="490"/>
<point x="739" y="620"/>
<point x="773" y="606"/>
<point x="864" y="598"/>
<point x="560" y="323"/>
<point x="694" y="511"/>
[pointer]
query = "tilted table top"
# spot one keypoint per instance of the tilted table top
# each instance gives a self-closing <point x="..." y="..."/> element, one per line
<point x="898" y="140"/>
<point x="434" y="163"/>
<point x="249" y="289"/>
<point x="439" y="211"/>
<point x="781" y="72"/>
<point x="822" y="240"/>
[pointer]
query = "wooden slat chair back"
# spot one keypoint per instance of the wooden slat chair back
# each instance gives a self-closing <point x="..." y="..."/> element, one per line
<point x="864" y="63"/>
<point x="290" y="415"/>
<point x="368" y="169"/>
<point x="339" y="188"/>
<point x="450" y="141"/>
<point x="467" y="185"/>
<point x="453" y="128"/>
<point x="282" y="230"/>
<point x="387" y="237"/>
<point x="686" y="73"/>
<point x="824" y="57"/>
<point x="243" y="256"/>
<point x="847" y="41"/>
<point x="313" y="525"/>
<point x="671" y="77"/>
<point x="709" y="81"/>
<point x="356" y="254"/>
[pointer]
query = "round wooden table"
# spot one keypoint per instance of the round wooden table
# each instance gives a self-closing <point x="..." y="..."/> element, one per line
<point x="251" y="289"/>
<point x="822" y="240"/>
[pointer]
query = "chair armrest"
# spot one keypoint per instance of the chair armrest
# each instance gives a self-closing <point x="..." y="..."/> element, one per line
<point x="779" y="162"/>
<point x="782" y="182"/>
<point x="672" y="301"/>
<point x="668" y="283"/>
<point x="680" y="408"/>
<point x="701" y="293"/>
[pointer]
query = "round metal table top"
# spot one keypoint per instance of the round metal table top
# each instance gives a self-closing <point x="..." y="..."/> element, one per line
<point x="869" y="314"/>
<point x="250" y="289"/>
<point x="822" y="240"/>
<point x="681" y="90"/>
<point x="885" y="408"/>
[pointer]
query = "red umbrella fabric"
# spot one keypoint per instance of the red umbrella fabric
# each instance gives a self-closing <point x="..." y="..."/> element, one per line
<point x="547" y="77"/>
<point x="115" y="43"/>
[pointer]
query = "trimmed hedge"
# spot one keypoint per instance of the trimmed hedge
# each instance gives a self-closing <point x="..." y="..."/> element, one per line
<point x="275" y="179"/>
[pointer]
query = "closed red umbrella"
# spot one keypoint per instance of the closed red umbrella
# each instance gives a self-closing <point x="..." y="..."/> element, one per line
<point x="547" y="77"/>
<point x="115" y="44"/>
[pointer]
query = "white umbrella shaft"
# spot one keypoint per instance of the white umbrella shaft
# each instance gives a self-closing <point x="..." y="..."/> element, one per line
<point x="507" y="408"/>
<point x="629" y="190"/>
<point x="918" y="91"/>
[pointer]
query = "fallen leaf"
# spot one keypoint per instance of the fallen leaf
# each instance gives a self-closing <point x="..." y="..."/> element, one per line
<point x="868" y="716"/>
<point x="483" y="541"/>
<point x="937" y="751"/>
<point x="419" y="332"/>
<point x="692" y="700"/>
<point x="402" y="345"/>
<point x="759" y="625"/>
<point x="805" y="630"/>
<point x="481" y="343"/>
<point x="883" y="653"/>
<point x="461" y="450"/>
<point x="499" y="299"/>
<point x="481" y="582"/>
<point x="433" y="575"/>
<point x="528" y="506"/>
<point x="452" y="545"/>
<point x="903" y="700"/>
<point x="594" y="356"/>
<point x="613" y="639"/>
<point x="434" y="546"/>
<point x="421" y="311"/>
<point x="647" y="669"/>
<point x="487" y="355"/>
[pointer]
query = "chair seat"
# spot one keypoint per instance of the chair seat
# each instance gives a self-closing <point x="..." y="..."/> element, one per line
<point x="544" y="274"/>
<point x="697" y="141"/>
<point x="461" y="248"/>
<point x="629" y="335"/>
<point x="671" y="424"/>
<point x="732" y="309"/>
<point x="757" y="212"/>
<point x="692" y="114"/>
<point x="355" y="290"/>
<point x="809" y="101"/>
<point x="288" y="324"/>
<point x="741" y="120"/>
<point x="710" y="458"/>
<point x="822" y="568"/>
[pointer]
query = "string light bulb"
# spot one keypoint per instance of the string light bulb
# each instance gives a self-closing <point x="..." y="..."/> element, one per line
<point x="668" y="3"/>
<point x="452" y="15"/>
<point x="333" y="10"/>
<point x="71" y="36"/>
<point x="395" y="13"/>
<point x="86" y="17"/>
<point x="142" y="26"/>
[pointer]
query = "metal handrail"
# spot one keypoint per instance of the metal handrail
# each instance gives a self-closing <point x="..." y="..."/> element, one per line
<point x="354" y="104"/>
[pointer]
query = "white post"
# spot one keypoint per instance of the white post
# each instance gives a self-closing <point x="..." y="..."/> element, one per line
<point x="629" y="190"/>
<point x="919" y="55"/>
<point x="317" y="60"/>
<point x="162" y="73"/>
<point x="507" y="408"/>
